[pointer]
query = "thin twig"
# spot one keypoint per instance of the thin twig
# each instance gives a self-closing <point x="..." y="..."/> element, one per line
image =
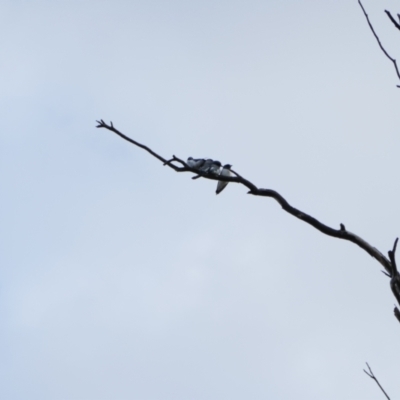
<point x="372" y="376"/>
<point x="395" y="23"/>
<point x="379" y="42"/>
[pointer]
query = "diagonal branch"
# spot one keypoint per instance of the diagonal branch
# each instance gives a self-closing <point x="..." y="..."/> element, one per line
<point x="341" y="233"/>
<point x="395" y="277"/>
<point x="372" y="376"/>
<point x="395" y="23"/>
<point x="379" y="42"/>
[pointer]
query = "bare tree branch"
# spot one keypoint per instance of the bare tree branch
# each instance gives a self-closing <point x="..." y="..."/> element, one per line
<point x="379" y="42"/>
<point x="372" y="376"/>
<point x="395" y="23"/>
<point x="341" y="233"/>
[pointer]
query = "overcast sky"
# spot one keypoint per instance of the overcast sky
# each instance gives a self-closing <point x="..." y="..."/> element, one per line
<point x="122" y="280"/>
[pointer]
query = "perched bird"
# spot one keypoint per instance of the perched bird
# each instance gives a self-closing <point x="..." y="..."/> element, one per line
<point x="195" y="162"/>
<point x="206" y="166"/>
<point x="215" y="168"/>
<point x="226" y="171"/>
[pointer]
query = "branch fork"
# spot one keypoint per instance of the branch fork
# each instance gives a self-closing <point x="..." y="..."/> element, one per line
<point x="372" y="376"/>
<point x="378" y="40"/>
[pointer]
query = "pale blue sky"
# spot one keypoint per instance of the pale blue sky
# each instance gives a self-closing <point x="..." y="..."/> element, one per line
<point x="120" y="279"/>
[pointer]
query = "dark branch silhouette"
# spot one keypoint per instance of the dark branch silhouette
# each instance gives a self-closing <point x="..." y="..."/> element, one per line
<point x="378" y="40"/>
<point x="397" y="313"/>
<point x="178" y="165"/>
<point x="395" y="23"/>
<point x="395" y="278"/>
<point x="372" y="376"/>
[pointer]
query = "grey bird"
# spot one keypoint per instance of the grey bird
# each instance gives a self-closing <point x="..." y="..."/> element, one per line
<point x="226" y="171"/>
<point x="215" y="168"/>
<point x="195" y="162"/>
<point x="206" y="166"/>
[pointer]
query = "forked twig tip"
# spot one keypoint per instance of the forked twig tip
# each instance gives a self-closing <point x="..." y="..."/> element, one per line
<point x="372" y="376"/>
